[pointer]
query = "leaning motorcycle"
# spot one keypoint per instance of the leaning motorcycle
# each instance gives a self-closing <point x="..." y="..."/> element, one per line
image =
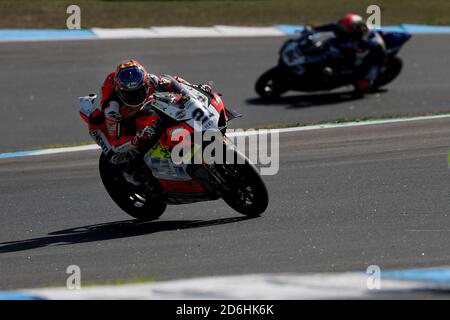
<point x="237" y="182"/>
<point x="306" y="64"/>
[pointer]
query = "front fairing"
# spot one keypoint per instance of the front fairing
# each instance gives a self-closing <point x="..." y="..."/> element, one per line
<point x="189" y="105"/>
<point x="394" y="41"/>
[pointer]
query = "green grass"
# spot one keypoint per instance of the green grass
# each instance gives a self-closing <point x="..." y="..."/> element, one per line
<point x="118" y="282"/>
<point x="146" y="13"/>
<point x="114" y="282"/>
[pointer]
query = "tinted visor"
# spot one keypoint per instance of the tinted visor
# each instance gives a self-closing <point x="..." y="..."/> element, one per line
<point x="133" y="90"/>
<point x="131" y="78"/>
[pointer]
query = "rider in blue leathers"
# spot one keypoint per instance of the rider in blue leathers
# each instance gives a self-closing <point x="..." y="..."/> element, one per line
<point x="359" y="46"/>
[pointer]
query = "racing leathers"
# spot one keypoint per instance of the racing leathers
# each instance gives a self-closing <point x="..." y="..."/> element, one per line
<point x="367" y="53"/>
<point x="124" y="133"/>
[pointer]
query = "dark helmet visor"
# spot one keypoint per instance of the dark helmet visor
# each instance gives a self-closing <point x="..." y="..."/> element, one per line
<point x="131" y="78"/>
<point x="133" y="90"/>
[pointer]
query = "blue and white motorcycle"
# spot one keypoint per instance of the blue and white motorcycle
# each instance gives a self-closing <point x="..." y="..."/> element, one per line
<point x="309" y="63"/>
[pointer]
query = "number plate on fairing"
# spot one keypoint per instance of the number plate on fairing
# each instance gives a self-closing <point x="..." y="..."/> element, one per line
<point x="194" y="111"/>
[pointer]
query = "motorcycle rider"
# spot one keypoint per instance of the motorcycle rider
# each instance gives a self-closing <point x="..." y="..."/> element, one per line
<point x="123" y="129"/>
<point x="359" y="45"/>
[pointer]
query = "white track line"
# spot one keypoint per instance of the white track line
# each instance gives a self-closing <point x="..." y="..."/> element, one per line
<point x="186" y="32"/>
<point x="342" y="125"/>
<point x="237" y="133"/>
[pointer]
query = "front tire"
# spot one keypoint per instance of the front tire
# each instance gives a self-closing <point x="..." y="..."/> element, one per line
<point x="246" y="191"/>
<point x="270" y="84"/>
<point x="390" y="71"/>
<point x="136" y="204"/>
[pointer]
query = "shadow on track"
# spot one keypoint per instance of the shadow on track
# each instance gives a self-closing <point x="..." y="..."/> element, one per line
<point x="109" y="231"/>
<point x="310" y="100"/>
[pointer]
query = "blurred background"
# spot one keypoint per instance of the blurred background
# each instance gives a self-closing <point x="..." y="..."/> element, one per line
<point x="113" y="13"/>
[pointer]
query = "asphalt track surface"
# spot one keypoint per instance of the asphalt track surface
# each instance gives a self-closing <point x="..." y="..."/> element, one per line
<point x="41" y="82"/>
<point x="343" y="199"/>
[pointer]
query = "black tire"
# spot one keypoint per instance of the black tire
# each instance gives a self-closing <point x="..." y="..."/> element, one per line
<point x="390" y="71"/>
<point x="247" y="192"/>
<point x="136" y="204"/>
<point x="270" y="84"/>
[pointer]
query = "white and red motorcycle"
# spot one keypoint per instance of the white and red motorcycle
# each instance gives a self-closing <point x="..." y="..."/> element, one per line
<point x="238" y="181"/>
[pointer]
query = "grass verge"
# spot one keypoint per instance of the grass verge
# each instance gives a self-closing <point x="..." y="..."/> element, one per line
<point x="114" y="282"/>
<point x="146" y="13"/>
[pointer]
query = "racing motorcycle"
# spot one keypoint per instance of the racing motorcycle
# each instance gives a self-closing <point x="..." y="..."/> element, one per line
<point x="307" y="64"/>
<point x="169" y="182"/>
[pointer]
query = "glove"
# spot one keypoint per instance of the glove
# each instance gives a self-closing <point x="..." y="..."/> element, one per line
<point x="205" y="87"/>
<point x="308" y="29"/>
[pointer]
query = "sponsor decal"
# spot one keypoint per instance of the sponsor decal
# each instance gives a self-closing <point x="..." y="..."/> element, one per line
<point x="180" y="114"/>
<point x="99" y="139"/>
<point x="114" y="115"/>
<point x="119" y="158"/>
<point x="202" y="99"/>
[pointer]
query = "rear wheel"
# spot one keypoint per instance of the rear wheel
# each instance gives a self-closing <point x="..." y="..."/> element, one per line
<point x="271" y="84"/>
<point x="136" y="203"/>
<point x="246" y="192"/>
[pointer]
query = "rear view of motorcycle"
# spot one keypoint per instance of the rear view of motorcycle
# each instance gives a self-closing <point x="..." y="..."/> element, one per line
<point x="314" y="63"/>
<point x="231" y="176"/>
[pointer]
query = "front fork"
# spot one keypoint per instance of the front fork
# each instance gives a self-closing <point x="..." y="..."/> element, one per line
<point x="208" y="176"/>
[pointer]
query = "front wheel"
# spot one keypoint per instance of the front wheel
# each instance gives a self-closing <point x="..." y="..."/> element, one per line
<point x="136" y="203"/>
<point x="246" y="192"/>
<point x="389" y="72"/>
<point x="270" y="84"/>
